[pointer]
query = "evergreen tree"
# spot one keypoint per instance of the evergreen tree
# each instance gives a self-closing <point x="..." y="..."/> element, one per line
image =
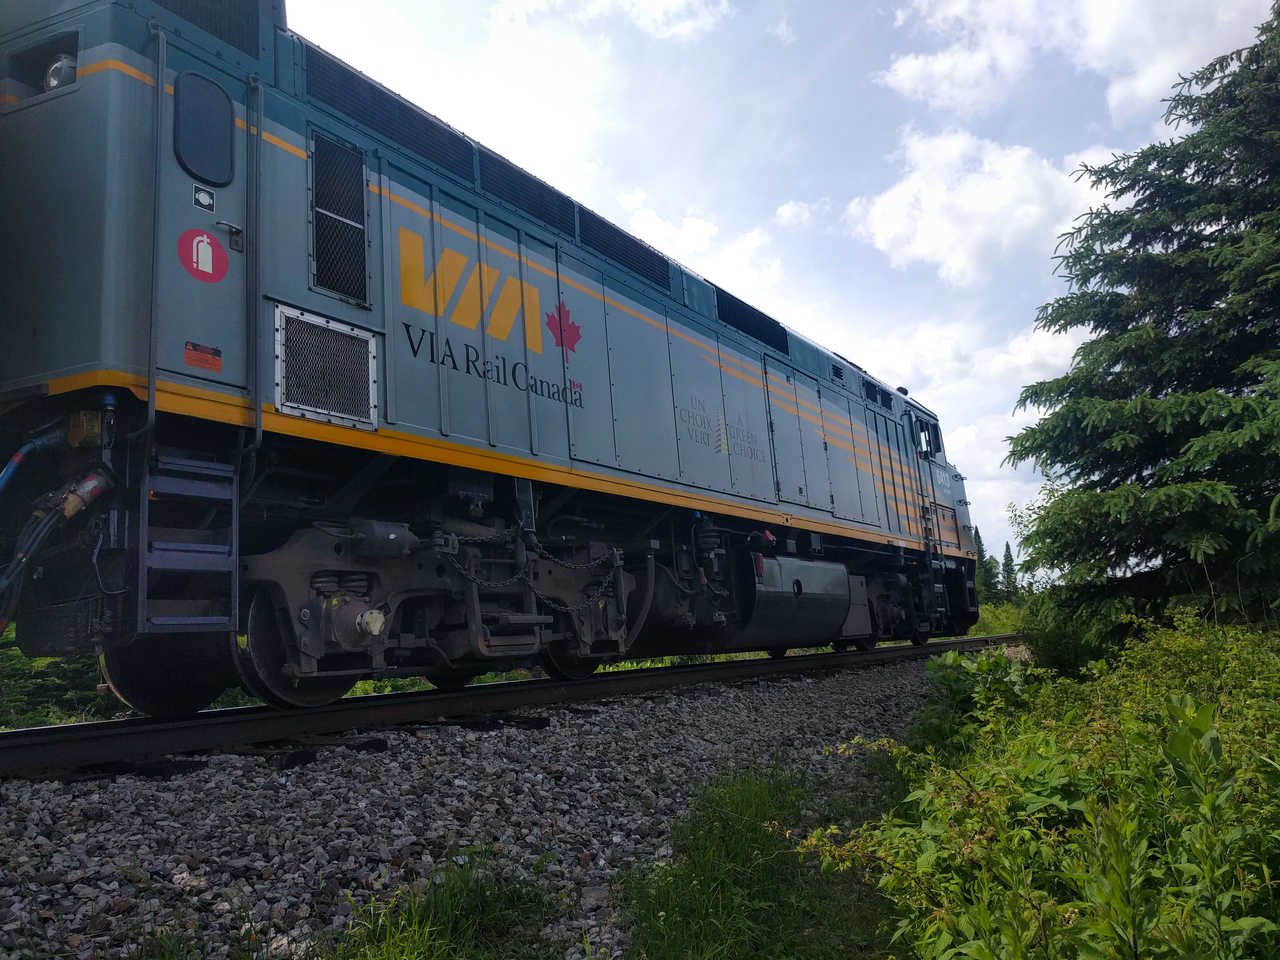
<point x="987" y="575"/>
<point x="1162" y="441"/>
<point x="1008" y="576"/>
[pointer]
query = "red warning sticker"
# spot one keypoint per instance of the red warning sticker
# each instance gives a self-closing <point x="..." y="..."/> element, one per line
<point x="202" y="256"/>
<point x="206" y="358"/>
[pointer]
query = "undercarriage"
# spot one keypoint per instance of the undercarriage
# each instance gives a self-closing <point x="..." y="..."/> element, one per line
<point x="197" y="561"/>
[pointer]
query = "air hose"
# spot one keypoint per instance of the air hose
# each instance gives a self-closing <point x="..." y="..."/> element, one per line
<point x="50" y="439"/>
<point x="36" y="531"/>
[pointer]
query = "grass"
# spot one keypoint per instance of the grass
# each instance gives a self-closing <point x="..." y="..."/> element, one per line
<point x="37" y="692"/>
<point x="464" y="914"/>
<point x="736" y="888"/>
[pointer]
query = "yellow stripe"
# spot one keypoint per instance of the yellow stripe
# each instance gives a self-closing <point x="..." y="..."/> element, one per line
<point x="11" y="98"/>
<point x="89" y="69"/>
<point x="207" y="404"/>
<point x="119" y="66"/>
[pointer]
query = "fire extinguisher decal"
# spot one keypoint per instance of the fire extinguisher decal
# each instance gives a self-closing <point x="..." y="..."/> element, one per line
<point x="202" y="256"/>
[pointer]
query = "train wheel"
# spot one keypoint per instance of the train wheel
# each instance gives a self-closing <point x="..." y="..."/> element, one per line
<point x="777" y="653"/>
<point x="451" y="682"/>
<point x="563" y="665"/>
<point x="260" y="655"/>
<point x="865" y="643"/>
<point x="168" y="675"/>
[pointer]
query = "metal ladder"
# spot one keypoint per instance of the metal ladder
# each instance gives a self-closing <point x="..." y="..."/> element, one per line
<point x="202" y="487"/>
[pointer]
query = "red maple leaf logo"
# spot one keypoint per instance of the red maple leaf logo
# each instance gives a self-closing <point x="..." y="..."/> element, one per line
<point x="565" y="332"/>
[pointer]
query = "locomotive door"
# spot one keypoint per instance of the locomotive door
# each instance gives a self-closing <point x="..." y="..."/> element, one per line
<point x="200" y="261"/>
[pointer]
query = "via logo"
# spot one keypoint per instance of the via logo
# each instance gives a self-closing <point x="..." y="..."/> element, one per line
<point x="202" y="256"/>
<point x="482" y="291"/>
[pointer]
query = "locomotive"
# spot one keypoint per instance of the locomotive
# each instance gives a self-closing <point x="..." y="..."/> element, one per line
<point x="305" y="386"/>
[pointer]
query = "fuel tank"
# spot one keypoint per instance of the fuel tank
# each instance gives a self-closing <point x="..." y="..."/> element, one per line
<point x="792" y="602"/>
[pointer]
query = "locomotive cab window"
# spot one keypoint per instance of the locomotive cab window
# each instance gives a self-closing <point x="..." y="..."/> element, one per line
<point x="929" y="438"/>
<point x="204" y="126"/>
<point x="338" y="218"/>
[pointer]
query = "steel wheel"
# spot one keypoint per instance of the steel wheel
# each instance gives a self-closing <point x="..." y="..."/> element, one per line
<point x="777" y="653"/>
<point x="563" y="665"/>
<point x="260" y="654"/>
<point x="168" y="675"/>
<point x="451" y="682"/>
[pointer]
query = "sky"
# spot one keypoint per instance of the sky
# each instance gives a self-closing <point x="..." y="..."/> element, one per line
<point x="888" y="178"/>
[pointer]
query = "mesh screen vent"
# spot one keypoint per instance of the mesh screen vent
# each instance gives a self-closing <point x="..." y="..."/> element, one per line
<point x="396" y="119"/>
<point x="234" y="22"/>
<point x="603" y="236"/>
<point x="338" y="218"/>
<point x="508" y="182"/>
<point x="324" y="369"/>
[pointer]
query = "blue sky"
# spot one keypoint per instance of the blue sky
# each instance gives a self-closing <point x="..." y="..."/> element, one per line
<point x="888" y="178"/>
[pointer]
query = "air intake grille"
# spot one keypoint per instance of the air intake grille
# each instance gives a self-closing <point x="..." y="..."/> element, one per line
<point x="508" y="182"/>
<point x="338" y="188"/>
<point x="234" y="22"/>
<point x="324" y="369"/>
<point x="603" y="236"/>
<point x="379" y="110"/>
<point x="744" y="317"/>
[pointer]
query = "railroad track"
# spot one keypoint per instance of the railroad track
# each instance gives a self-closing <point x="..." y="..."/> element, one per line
<point x="43" y="751"/>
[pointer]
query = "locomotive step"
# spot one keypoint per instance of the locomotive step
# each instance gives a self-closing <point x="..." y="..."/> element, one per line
<point x="521" y="620"/>
<point x="191" y="557"/>
<point x="170" y="485"/>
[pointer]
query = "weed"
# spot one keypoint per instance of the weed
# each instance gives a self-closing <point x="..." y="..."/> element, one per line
<point x="735" y="887"/>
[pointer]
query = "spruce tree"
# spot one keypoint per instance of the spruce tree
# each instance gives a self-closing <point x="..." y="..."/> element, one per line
<point x="987" y="577"/>
<point x="1162" y="441"/>
<point x="1008" y="576"/>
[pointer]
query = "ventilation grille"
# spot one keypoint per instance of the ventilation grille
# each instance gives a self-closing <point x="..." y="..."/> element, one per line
<point x="508" y="182"/>
<point x="875" y="394"/>
<point x="744" y="317"/>
<point x="363" y="100"/>
<point x="604" y="237"/>
<point x="324" y="369"/>
<point x="338" y="188"/>
<point x="234" y="22"/>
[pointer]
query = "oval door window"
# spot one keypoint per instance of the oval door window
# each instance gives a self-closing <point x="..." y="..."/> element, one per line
<point x="204" y="124"/>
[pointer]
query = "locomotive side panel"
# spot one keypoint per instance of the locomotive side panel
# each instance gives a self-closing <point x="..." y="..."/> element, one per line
<point x="699" y="403"/>
<point x="576" y="324"/>
<point x="643" y="409"/>
<point x="747" y="426"/>
<point x="785" y="428"/>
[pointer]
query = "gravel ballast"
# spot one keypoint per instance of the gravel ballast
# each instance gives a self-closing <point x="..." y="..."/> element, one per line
<point x="570" y="795"/>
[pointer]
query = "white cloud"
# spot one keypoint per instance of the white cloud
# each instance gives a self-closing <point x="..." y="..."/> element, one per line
<point x="475" y="74"/>
<point x="963" y="201"/>
<point x="1138" y="46"/>
<point x="660" y="18"/>
<point x="799" y="213"/>
<point x="782" y="30"/>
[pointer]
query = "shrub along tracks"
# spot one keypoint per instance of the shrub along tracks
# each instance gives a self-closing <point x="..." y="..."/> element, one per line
<point x="43" y="751"/>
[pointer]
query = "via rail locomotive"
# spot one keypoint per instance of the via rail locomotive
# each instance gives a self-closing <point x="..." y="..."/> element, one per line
<point x="306" y="386"/>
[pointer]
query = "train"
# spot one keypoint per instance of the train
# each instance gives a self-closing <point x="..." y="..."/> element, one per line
<point x="305" y="386"/>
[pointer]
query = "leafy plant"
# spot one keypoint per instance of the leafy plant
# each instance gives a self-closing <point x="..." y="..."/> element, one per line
<point x="1132" y="813"/>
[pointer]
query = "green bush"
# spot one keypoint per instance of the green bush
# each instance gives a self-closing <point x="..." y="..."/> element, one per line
<point x="1130" y="814"/>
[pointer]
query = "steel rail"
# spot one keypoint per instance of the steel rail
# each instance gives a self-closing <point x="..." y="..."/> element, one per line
<point x="43" y="751"/>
